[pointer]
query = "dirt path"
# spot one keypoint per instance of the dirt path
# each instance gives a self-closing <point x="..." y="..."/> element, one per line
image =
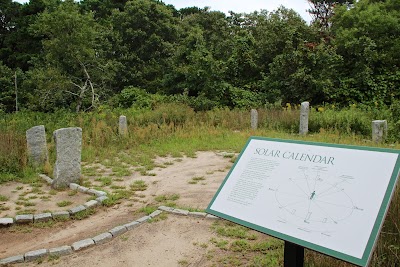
<point x="170" y="242"/>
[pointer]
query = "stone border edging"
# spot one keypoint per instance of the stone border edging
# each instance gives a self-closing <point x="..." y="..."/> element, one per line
<point x="99" y="239"/>
<point x="44" y="217"/>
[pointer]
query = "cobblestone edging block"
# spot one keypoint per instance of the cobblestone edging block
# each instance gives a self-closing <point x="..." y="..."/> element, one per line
<point x="60" y="251"/>
<point x="13" y="259"/>
<point x="44" y="217"/>
<point x="6" y="221"/>
<point x="99" y="239"/>
<point x="81" y="244"/>
<point x="36" y="254"/>
<point x="102" y="238"/>
<point x="119" y="230"/>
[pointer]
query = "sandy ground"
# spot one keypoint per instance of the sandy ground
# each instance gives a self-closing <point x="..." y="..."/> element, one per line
<point x="170" y="242"/>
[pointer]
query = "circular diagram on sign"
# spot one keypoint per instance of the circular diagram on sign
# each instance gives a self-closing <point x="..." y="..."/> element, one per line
<point x="313" y="200"/>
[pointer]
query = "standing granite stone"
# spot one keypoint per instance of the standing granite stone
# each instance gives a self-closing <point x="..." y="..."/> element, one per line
<point x="254" y="119"/>
<point x="37" y="146"/>
<point x="304" y="111"/>
<point x="379" y="130"/>
<point x="68" y="151"/>
<point x="123" y="126"/>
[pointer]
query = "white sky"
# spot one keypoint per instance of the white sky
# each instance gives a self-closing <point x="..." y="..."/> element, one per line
<point x="246" y="6"/>
<point x="240" y="6"/>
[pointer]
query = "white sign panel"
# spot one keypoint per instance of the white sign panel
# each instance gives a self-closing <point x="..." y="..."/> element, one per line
<point x="325" y="197"/>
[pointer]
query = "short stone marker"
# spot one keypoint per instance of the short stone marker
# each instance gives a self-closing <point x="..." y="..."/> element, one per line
<point x="155" y="213"/>
<point x="254" y="119"/>
<point x="68" y="150"/>
<point x="198" y="214"/>
<point x="91" y="204"/>
<point x="379" y="130"/>
<point x="143" y="219"/>
<point x="304" y="112"/>
<point x="37" y="146"/>
<point x="123" y="126"/>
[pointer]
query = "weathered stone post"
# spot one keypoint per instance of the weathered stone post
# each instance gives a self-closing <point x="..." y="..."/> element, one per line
<point x="379" y="130"/>
<point x="37" y="146"/>
<point x="304" y="112"/>
<point x="68" y="151"/>
<point x="254" y="119"/>
<point x="123" y="126"/>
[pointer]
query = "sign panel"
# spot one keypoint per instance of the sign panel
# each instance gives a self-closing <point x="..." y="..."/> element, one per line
<point x="329" y="198"/>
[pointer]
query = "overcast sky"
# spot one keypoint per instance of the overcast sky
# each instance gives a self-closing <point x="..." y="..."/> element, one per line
<point x="246" y="6"/>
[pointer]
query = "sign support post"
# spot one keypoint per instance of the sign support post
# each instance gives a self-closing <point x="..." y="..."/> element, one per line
<point x="293" y="255"/>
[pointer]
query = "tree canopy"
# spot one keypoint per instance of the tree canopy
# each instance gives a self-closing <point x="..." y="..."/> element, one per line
<point x="78" y="55"/>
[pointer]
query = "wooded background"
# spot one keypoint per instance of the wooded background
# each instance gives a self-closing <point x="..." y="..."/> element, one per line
<point x="80" y="55"/>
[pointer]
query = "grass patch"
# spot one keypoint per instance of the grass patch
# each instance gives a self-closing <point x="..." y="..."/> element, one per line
<point x="64" y="203"/>
<point x="83" y="214"/>
<point x="138" y="185"/>
<point x="72" y="193"/>
<point x="3" y="198"/>
<point x="105" y="181"/>
<point x="148" y="209"/>
<point x="166" y="198"/>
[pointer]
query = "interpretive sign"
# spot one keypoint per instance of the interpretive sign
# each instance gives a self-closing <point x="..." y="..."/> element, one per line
<point x="329" y="198"/>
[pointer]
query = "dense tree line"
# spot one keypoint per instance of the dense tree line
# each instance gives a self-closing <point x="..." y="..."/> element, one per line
<point x="76" y="55"/>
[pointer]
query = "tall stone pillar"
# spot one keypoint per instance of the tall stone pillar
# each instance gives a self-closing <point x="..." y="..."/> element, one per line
<point x="379" y="131"/>
<point x="37" y="146"/>
<point x="67" y="169"/>
<point x="254" y="119"/>
<point x="304" y="113"/>
<point x="123" y="126"/>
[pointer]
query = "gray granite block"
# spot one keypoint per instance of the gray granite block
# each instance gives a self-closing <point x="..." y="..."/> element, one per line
<point x="6" y="221"/>
<point x="73" y="186"/>
<point x="92" y="191"/>
<point x="60" y="215"/>
<point x="131" y="225"/>
<point x="198" y="214"/>
<point x="76" y="209"/>
<point x="33" y="255"/>
<point x="67" y="168"/>
<point x="46" y="178"/>
<point x="60" y="251"/>
<point x="100" y="193"/>
<point x="101" y="199"/>
<point x="209" y="216"/>
<point x="82" y="244"/>
<point x="82" y="189"/>
<point x="119" y="230"/>
<point x="165" y="208"/>
<point x="180" y="212"/>
<point x="24" y="218"/>
<point x="91" y="204"/>
<point x="42" y="217"/>
<point x="155" y="213"/>
<point x="143" y="219"/>
<point x="13" y="259"/>
<point x="102" y="238"/>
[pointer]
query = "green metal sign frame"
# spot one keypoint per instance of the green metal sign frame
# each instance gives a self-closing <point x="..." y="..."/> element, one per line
<point x="364" y="260"/>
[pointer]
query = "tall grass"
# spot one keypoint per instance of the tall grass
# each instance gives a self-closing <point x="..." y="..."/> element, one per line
<point x="176" y="129"/>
